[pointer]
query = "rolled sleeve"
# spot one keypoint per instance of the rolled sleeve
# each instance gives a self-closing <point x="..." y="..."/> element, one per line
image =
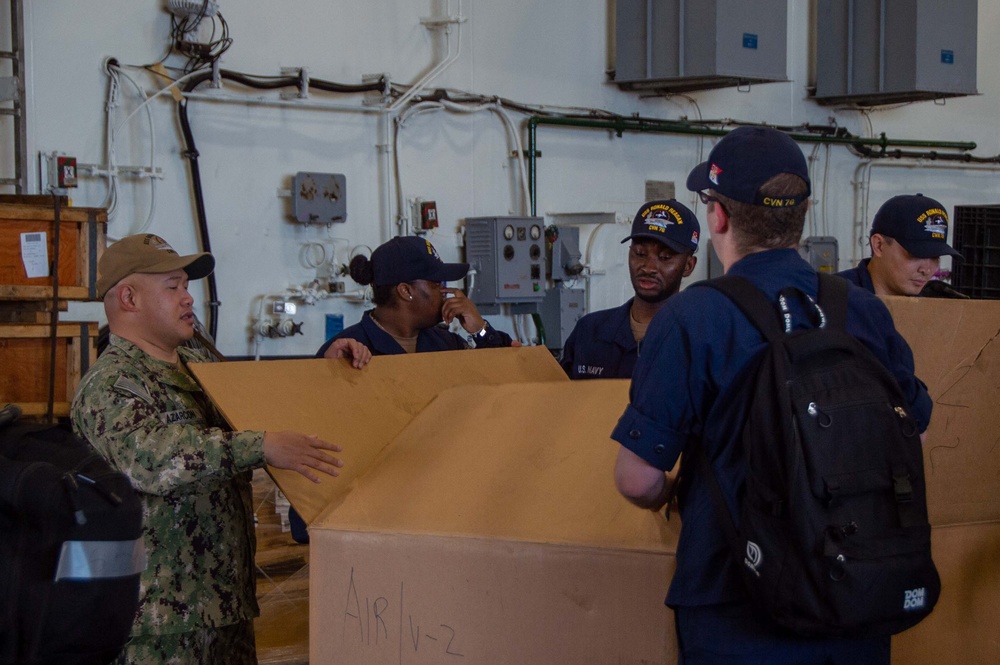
<point x="657" y="445"/>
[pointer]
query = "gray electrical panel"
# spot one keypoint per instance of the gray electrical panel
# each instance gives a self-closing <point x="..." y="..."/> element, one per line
<point x="678" y="45"/>
<point x="821" y="252"/>
<point x="564" y="253"/>
<point x="319" y="198"/>
<point x="508" y="255"/>
<point x="895" y="51"/>
<point x="559" y="312"/>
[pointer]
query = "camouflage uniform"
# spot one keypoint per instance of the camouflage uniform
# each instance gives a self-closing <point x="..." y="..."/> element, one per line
<point x="153" y="422"/>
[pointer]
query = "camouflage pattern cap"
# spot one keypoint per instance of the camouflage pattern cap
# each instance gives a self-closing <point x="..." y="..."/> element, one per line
<point x="147" y="253"/>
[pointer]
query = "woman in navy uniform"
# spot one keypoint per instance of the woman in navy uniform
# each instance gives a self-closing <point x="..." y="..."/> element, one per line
<point x="411" y="301"/>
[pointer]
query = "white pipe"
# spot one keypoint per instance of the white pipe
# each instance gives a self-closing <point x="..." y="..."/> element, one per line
<point x="590" y="272"/>
<point x="402" y="214"/>
<point x="385" y="114"/>
<point x="156" y="94"/>
<point x="515" y="136"/>
<point x="390" y="111"/>
<point x="420" y="85"/>
<point x="384" y="145"/>
<point x="275" y="101"/>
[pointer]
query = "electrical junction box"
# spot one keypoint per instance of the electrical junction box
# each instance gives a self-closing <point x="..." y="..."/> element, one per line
<point x="564" y="252"/>
<point x="559" y="312"/>
<point x="66" y="172"/>
<point x="193" y="8"/>
<point x="894" y="51"/>
<point x="58" y="171"/>
<point x="319" y="198"/>
<point x="508" y="255"/>
<point x="678" y="45"/>
<point x="428" y="215"/>
<point x="821" y="252"/>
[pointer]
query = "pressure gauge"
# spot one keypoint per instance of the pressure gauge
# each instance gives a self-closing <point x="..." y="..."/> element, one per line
<point x="508" y="232"/>
<point x="536" y="232"/>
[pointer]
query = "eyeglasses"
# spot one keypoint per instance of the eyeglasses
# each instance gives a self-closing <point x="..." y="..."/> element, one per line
<point x="706" y="199"/>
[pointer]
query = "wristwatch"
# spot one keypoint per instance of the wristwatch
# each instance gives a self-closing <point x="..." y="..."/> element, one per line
<point x="481" y="335"/>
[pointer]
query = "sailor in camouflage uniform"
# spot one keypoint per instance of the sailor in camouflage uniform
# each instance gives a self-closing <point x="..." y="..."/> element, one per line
<point x="141" y="410"/>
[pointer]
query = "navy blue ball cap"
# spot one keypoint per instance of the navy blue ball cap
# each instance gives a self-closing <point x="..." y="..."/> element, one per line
<point x="668" y="221"/>
<point x="918" y="223"/>
<point x="408" y="258"/>
<point x="744" y="160"/>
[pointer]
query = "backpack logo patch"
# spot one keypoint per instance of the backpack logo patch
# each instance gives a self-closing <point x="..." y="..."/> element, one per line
<point x="753" y="558"/>
<point x="914" y="599"/>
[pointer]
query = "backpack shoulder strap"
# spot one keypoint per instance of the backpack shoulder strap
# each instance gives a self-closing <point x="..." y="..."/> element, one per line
<point x="832" y="299"/>
<point x="763" y="314"/>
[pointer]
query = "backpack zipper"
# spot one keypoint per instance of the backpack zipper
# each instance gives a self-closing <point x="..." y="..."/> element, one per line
<point x="70" y="480"/>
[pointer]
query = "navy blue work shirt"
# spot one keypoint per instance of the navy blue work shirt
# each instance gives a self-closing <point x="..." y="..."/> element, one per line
<point x="435" y="338"/>
<point x="694" y="352"/>
<point x="601" y="346"/>
<point x="859" y="276"/>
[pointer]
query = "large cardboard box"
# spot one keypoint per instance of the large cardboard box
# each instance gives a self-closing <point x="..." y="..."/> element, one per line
<point x="956" y="347"/>
<point x="477" y="517"/>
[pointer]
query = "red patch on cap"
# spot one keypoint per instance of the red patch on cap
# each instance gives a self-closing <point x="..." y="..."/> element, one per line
<point x="713" y="173"/>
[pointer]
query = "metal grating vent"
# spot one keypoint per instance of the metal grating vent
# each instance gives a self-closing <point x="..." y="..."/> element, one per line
<point x="977" y="238"/>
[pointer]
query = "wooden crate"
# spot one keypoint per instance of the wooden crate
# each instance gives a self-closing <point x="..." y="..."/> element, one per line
<point x="29" y="311"/>
<point x="24" y="364"/>
<point x="82" y="238"/>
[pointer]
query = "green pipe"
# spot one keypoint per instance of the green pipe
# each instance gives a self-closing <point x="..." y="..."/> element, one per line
<point x="637" y="124"/>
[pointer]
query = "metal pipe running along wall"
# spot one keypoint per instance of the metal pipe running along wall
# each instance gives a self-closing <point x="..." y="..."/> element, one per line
<point x="620" y="125"/>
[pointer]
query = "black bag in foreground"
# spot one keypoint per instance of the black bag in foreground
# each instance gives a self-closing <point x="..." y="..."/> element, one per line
<point x="71" y="550"/>
<point x="833" y="537"/>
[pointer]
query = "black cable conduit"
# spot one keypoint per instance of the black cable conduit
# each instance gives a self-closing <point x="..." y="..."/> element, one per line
<point x="191" y="150"/>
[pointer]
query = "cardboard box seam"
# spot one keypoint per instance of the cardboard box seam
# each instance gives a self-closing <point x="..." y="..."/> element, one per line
<point x="562" y="545"/>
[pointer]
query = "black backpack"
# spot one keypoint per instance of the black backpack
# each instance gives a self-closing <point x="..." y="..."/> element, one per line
<point x="832" y="538"/>
<point x="71" y="549"/>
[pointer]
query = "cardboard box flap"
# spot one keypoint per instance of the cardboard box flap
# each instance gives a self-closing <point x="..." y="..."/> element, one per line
<point x="956" y="348"/>
<point x="362" y="410"/>
<point x="525" y="462"/>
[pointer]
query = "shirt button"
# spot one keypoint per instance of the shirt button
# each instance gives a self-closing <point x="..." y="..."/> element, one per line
<point x="658" y="449"/>
<point x="634" y="434"/>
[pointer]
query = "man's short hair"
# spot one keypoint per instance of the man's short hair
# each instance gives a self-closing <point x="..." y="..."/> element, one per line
<point x="760" y="227"/>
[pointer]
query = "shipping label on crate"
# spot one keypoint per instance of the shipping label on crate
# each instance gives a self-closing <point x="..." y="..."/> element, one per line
<point x="35" y="254"/>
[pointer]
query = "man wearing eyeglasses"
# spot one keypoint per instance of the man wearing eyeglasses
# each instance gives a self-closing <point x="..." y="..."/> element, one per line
<point x="605" y="344"/>
<point x="756" y="188"/>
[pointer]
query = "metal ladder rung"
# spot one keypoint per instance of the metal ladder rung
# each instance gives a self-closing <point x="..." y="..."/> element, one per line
<point x="12" y="92"/>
